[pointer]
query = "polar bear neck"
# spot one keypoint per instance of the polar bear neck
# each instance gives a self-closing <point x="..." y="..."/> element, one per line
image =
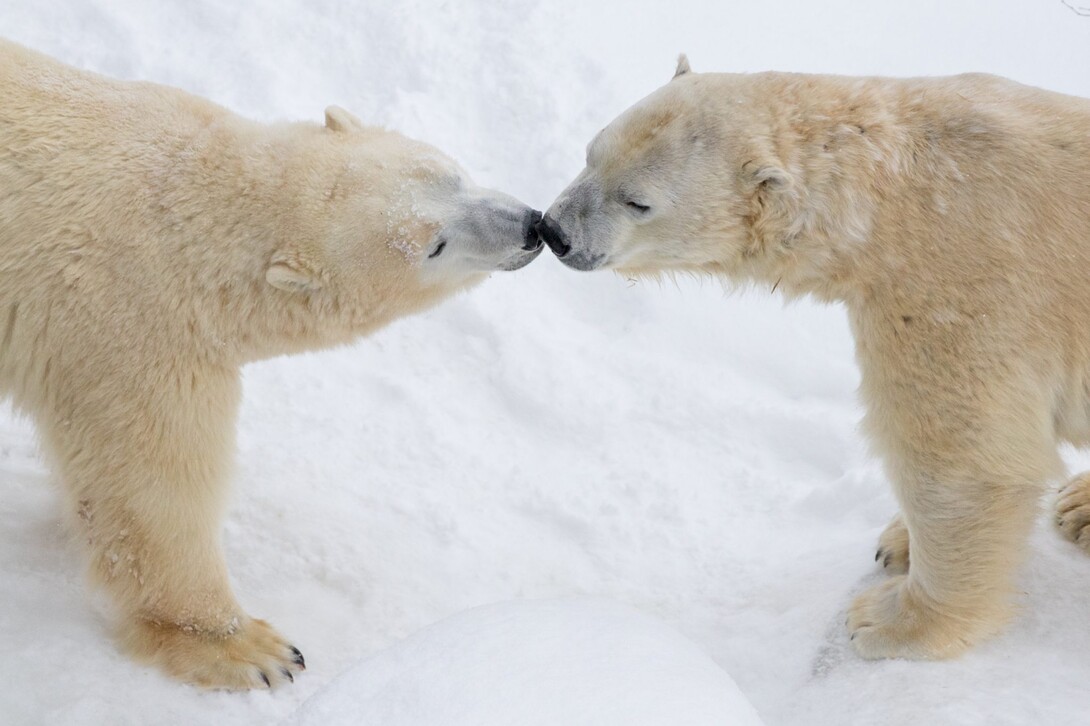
<point x="840" y="144"/>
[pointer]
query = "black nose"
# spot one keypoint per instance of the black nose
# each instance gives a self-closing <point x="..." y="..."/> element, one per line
<point x="553" y="236"/>
<point x="532" y="240"/>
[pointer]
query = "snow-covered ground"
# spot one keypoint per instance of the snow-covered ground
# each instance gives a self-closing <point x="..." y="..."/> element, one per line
<point x="552" y="434"/>
<point x="535" y="663"/>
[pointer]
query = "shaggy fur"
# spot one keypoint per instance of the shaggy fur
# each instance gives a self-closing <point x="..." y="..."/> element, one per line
<point x="951" y="217"/>
<point x="150" y="244"/>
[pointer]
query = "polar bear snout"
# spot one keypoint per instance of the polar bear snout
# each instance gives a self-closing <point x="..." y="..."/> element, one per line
<point x="551" y="234"/>
<point x="493" y="232"/>
<point x="560" y="242"/>
<point x="577" y="227"/>
<point x="530" y="242"/>
<point x="532" y="238"/>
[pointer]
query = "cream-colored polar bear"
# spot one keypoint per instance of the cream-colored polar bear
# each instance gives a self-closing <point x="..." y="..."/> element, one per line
<point x="150" y="244"/>
<point x="952" y="218"/>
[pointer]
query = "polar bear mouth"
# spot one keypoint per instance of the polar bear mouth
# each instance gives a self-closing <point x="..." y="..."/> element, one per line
<point x="523" y="260"/>
<point x="583" y="261"/>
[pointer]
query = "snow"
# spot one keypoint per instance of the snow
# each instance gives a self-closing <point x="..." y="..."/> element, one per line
<point x="691" y="454"/>
<point x="577" y="663"/>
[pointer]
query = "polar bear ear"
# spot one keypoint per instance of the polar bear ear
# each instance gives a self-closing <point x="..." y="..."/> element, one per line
<point x="770" y="178"/>
<point x="337" y="119"/>
<point x="777" y="216"/>
<point x="682" y="66"/>
<point x="290" y="271"/>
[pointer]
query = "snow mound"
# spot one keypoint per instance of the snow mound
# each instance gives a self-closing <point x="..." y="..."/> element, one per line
<point x="567" y="662"/>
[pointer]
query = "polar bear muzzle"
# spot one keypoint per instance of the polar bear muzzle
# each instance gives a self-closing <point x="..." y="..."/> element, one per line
<point x="489" y="231"/>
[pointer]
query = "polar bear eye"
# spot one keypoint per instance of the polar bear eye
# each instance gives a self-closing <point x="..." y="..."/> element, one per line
<point x="438" y="249"/>
<point x="637" y="207"/>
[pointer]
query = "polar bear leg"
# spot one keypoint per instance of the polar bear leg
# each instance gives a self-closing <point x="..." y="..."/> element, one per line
<point x="964" y="550"/>
<point x="968" y="472"/>
<point x="1073" y="511"/>
<point x="147" y="472"/>
<point x="893" y="547"/>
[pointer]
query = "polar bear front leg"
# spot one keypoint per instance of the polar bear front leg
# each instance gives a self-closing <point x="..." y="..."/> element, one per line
<point x="147" y="473"/>
<point x="964" y="540"/>
<point x="968" y="459"/>
<point x="893" y="547"/>
<point x="1073" y="510"/>
<point x="968" y="507"/>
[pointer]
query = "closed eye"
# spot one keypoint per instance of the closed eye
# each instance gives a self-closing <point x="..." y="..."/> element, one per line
<point x="637" y="207"/>
<point x="439" y="249"/>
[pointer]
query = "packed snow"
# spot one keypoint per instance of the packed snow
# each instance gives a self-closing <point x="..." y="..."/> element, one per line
<point x="535" y="663"/>
<point x="684" y="452"/>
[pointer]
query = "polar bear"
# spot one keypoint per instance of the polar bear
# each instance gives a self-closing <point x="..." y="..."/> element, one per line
<point x="951" y="217"/>
<point x="150" y="244"/>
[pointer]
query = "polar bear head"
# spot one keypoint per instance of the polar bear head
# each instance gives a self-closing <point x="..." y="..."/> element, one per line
<point x="380" y="212"/>
<point x="687" y="179"/>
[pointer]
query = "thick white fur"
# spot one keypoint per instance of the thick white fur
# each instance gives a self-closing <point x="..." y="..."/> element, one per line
<point x="150" y="244"/>
<point x="951" y="216"/>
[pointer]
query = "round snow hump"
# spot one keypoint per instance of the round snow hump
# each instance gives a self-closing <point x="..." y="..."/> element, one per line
<point x="535" y="663"/>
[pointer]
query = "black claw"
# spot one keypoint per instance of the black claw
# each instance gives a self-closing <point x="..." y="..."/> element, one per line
<point x="853" y="636"/>
<point x="298" y="659"/>
<point x="287" y="674"/>
<point x="266" y="679"/>
<point x="877" y="555"/>
<point x="889" y="558"/>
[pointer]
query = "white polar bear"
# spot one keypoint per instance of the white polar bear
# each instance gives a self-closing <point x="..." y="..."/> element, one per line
<point x="951" y="216"/>
<point x="150" y="244"/>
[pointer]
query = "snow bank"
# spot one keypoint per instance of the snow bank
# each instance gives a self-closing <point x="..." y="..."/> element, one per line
<point x="542" y="663"/>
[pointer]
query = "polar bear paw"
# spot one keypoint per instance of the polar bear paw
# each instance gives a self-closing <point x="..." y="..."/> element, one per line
<point x="891" y="620"/>
<point x="1073" y="511"/>
<point x="249" y="654"/>
<point x="893" y="547"/>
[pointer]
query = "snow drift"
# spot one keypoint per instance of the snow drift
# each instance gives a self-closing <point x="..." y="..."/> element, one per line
<point x="543" y="663"/>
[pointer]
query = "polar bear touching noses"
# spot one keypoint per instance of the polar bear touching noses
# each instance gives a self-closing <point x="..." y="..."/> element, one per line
<point x="951" y="217"/>
<point x="151" y="243"/>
